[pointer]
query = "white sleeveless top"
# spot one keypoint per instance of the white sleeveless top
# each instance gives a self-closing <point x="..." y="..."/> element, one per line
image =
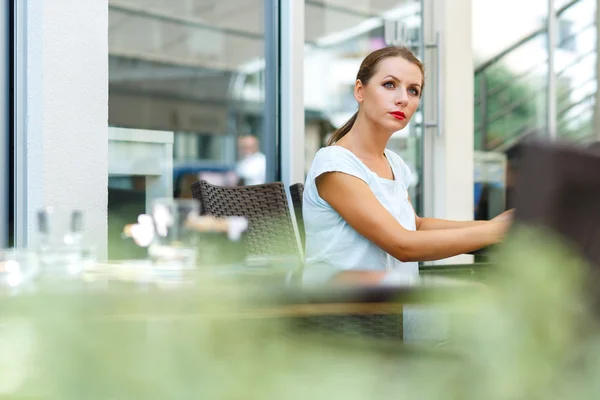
<point x="331" y="244"/>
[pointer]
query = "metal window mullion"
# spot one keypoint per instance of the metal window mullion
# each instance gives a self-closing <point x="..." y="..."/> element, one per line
<point x="5" y="133"/>
<point x="427" y="177"/>
<point x="270" y="142"/>
<point x="20" y="129"/>
<point x="483" y="111"/>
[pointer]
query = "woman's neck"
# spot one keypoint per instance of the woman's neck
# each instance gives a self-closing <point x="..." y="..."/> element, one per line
<point x="365" y="140"/>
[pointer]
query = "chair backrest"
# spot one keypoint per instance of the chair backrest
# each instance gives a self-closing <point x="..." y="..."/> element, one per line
<point x="296" y="192"/>
<point x="558" y="187"/>
<point x="270" y="227"/>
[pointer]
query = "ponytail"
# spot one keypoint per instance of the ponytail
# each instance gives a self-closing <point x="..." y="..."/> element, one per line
<point x="340" y="133"/>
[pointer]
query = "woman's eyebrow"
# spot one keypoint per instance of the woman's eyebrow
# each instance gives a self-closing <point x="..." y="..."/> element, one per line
<point x="393" y="77"/>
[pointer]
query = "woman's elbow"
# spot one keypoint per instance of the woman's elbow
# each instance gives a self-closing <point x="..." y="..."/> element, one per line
<point x="407" y="257"/>
<point x="406" y="248"/>
<point x="406" y="253"/>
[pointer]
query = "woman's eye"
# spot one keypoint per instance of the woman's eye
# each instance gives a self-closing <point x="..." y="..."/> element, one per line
<point x="414" y="92"/>
<point x="389" y="85"/>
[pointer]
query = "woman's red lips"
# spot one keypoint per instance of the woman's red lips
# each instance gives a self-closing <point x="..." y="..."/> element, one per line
<point x="398" y="115"/>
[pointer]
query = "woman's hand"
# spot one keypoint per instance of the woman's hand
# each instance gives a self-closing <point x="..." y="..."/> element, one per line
<point x="500" y="228"/>
<point x="502" y="223"/>
<point x="505" y="216"/>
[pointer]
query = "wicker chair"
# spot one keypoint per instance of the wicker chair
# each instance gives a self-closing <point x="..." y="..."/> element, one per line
<point x="271" y="232"/>
<point x="270" y="228"/>
<point x="296" y="192"/>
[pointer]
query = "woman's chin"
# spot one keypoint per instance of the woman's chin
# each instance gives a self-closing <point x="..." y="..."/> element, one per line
<point x="396" y="126"/>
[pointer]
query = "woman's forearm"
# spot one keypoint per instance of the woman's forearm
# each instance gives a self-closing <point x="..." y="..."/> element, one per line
<point x="430" y="224"/>
<point x="429" y="245"/>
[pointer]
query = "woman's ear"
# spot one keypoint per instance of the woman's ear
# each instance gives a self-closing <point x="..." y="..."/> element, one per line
<point x="359" y="90"/>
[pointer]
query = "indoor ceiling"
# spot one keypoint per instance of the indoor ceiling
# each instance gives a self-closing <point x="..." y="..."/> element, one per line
<point x="168" y="57"/>
<point x="221" y="34"/>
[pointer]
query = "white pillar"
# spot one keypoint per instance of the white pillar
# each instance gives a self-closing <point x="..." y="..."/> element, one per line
<point x="454" y="147"/>
<point x="449" y="151"/>
<point x="62" y="116"/>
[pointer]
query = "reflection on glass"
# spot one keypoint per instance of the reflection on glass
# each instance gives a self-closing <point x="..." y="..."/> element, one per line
<point x="338" y="35"/>
<point x="252" y="165"/>
<point x="194" y="68"/>
<point x="498" y="24"/>
<point x="558" y="4"/>
<point x="511" y="90"/>
<point x="511" y="72"/>
<point x="512" y="96"/>
<point x="175" y="242"/>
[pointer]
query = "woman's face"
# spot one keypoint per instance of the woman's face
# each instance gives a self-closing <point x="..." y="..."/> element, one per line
<point x="392" y="95"/>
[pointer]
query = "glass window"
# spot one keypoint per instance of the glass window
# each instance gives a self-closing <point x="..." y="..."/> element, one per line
<point x="511" y="71"/>
<point x="338" y="35"/>
<point x="186" y="99"/>
<point x="558" y="4"/>
<point x="498" y="24"/>
<point x="575" y="68"/>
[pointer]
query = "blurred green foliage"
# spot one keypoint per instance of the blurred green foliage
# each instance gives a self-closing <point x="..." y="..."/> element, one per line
<point x="526" y="333"/>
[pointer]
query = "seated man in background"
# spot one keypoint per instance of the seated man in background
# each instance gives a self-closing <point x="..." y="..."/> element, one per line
<point x="252" y="164"/>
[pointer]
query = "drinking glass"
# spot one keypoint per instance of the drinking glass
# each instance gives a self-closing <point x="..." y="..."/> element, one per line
<point x="175" y="242"/>
<point x="61" y="251"/>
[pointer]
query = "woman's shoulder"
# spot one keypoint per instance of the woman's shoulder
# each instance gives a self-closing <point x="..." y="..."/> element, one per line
<point x="335" y="152"/>
<point x="337" y="159"/>
<point x="336" y="155"/>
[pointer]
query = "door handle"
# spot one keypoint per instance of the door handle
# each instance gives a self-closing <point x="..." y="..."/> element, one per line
<point x="438" y="121"/>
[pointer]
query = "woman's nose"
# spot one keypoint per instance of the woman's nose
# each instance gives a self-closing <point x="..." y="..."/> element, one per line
<point x="401" y="98"/>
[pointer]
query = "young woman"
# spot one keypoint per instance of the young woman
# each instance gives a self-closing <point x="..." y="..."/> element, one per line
<point x="359" y="221"/>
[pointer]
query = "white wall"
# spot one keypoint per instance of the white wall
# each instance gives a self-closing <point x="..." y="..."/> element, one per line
<point x="65" y="122"/>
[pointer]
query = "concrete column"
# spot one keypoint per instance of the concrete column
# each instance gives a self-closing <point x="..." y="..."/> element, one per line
<point x="63" y="113"/>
